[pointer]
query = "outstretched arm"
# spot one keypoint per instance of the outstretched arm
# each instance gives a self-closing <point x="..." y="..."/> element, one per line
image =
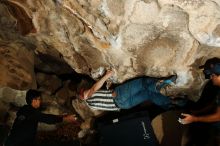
<point x="98" y="84"/>
<point x="215" y="117"/>
<point x="53" y="119"/>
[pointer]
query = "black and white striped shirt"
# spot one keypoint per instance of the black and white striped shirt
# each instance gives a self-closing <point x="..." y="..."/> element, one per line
<point x="102" y="100"/>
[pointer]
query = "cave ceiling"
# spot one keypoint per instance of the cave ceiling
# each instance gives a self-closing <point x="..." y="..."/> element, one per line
<point x="156" y="38"/>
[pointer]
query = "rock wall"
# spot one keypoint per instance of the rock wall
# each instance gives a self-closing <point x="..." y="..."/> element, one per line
<point x="136" y="37"/>
<point x="155" y="38"/>
<point x="17" y="66"/>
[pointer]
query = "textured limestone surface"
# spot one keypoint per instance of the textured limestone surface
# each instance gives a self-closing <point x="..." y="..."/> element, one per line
<point x="41" y="40"/>
<point x="17" y="66"/>
<point x="135" y="37"/>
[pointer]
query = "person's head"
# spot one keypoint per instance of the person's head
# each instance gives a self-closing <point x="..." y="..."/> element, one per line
<point x="83" y="86"/>
<point x="208" y="65"/>
<point x="33" y="98"/>
<point x="215" y="74"/>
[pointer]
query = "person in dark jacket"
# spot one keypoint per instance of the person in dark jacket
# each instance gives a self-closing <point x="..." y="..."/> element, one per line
<point x="24" y="129"/>
<point x="203" y="118"/>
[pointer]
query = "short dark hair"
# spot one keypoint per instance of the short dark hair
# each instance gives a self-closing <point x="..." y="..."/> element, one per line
<point x="32" y="94"/>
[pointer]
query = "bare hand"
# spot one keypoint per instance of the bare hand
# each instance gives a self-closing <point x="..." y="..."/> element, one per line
<point x="70" y="118"/>
<point x="187" y="119"/>
<point x="109" y="73"/>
